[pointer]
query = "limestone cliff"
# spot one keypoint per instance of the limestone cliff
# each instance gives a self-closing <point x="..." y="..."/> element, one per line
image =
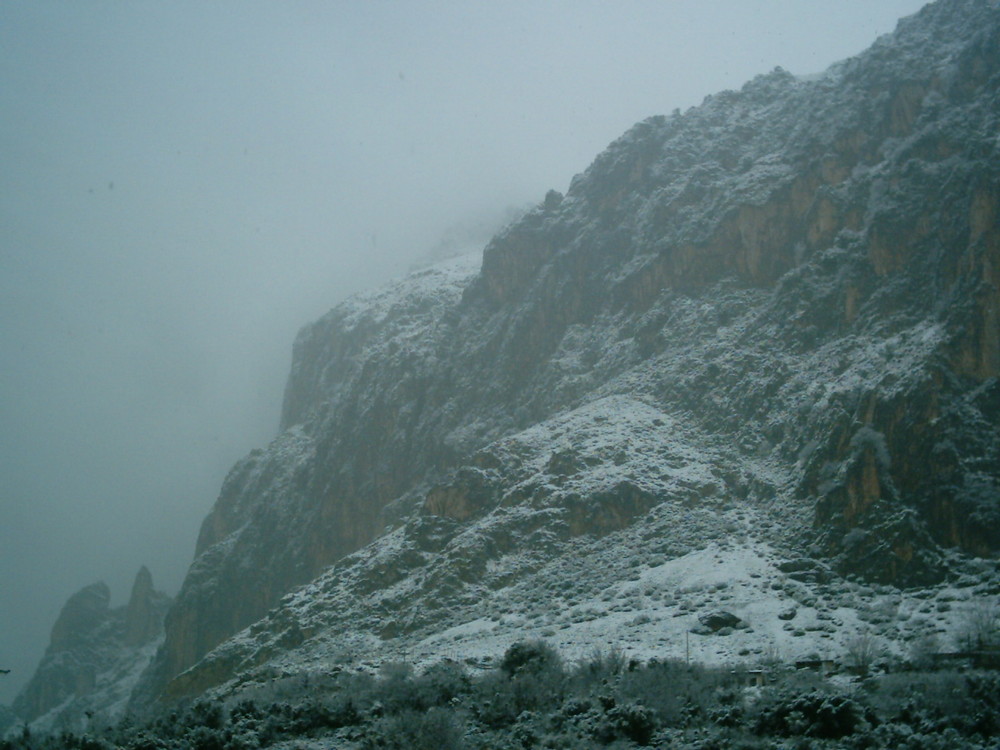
<point x="799" y="279"/>
<point x="95" y="654"/>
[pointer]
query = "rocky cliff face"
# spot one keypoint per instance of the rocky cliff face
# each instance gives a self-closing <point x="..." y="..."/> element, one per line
<point x="783" y="304"/>
<point x="95" y="654"/>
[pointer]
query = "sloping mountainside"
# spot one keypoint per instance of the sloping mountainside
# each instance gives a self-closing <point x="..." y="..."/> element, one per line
<point x="95" y="656"/>
<point x="750" y="360"/>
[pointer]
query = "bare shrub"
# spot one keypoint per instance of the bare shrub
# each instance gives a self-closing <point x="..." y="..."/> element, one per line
<point x="979" y="629"/>
<point x="435" y="729"/>
<point x="599" y="666"/>
<point x="862" y="652"/>
<point x="921" y="651"/>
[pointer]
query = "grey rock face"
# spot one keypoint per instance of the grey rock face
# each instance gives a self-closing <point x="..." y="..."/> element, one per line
<point x="792" y="287"/>
<point x="144" y="612"/>
<point x="84" y="612"/>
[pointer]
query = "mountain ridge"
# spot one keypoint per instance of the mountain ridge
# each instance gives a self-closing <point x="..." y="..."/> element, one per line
<point x="579" y="292"/>
<point x="766" y="329"/>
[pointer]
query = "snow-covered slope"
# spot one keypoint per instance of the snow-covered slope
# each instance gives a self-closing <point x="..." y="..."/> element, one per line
<point x="761" y="331"/>
<point x="605" y="527"/>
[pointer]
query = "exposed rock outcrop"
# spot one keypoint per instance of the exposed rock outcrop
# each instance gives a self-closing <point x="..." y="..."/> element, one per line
<point x="144" y="612"/>
<point x="95" y="654"/>
<point x="785" y="299"/>
<point x="719" y="620"/>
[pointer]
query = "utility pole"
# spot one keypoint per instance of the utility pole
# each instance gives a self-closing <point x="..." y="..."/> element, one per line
<point x="687" y="649"/>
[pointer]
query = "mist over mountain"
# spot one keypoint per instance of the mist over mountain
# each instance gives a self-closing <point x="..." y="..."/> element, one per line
<point x="184" y="185"/>
<point x="735" y="393"/>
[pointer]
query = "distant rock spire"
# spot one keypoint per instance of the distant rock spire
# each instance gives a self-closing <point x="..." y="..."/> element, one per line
<point x="142" y="617"/>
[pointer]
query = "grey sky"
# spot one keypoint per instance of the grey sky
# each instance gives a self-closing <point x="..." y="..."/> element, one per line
<point x="184" y="184"/>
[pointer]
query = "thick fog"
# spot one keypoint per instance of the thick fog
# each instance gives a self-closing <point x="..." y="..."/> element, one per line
<point x="184" y="184"/>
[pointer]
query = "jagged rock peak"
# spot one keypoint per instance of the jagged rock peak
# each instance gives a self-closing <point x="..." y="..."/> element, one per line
<point x="82" y="613"/>
<point x="96" y="652"/>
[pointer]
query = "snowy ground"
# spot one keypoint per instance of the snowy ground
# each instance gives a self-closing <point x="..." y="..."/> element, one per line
<point x="652" y="616"/>
<point x="619" y="596"/>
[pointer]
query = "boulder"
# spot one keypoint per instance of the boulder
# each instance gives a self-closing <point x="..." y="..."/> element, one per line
<point x="787" y="614"/>
<point x="719" y="619"/>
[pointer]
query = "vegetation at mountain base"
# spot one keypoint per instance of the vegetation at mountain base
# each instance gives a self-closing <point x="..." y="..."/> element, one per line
<point x="536" y="699"/>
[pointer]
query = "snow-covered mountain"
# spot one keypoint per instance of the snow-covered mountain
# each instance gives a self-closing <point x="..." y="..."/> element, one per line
<point x="748" y="362"/>
<point x="96" y="655"/>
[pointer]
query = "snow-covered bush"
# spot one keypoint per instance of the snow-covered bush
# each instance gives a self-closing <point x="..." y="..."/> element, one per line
<point x="814" y="714"/>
